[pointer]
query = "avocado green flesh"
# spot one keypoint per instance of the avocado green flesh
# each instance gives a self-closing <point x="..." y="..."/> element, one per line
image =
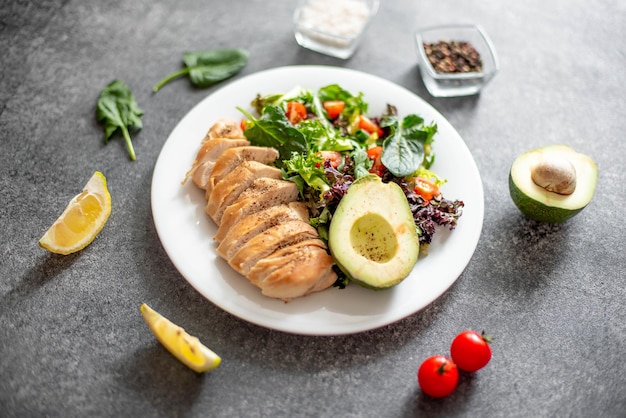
<point x="539" y="204"/>
<point x="372" y="235"/>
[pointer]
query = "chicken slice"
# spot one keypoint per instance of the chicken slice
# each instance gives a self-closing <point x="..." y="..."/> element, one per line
<point x="268" y="241"/>
<point x="252" y="225"/>
<point x="309" y="271"/>
<point x="261" y="194"/>
<point x="279" y="258"/>
<point x="232" y="157"/>
<point x="236" y="182"/>
<point x="225" y="128"/>
<point x="209" y="152"/>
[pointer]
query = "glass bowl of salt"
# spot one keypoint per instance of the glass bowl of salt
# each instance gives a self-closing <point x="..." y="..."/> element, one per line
<point x="333" y="27"/>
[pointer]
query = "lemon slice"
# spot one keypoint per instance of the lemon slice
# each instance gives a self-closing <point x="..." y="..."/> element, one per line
<point x="83" y="218"/>
<point x="186" y="348"/>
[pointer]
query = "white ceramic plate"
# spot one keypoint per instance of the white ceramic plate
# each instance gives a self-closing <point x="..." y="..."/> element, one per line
<point x="186" y="232"/>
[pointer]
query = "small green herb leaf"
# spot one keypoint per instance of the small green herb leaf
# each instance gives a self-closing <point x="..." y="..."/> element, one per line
<point x="206" y="68"/>
<point x="117" y="109"/>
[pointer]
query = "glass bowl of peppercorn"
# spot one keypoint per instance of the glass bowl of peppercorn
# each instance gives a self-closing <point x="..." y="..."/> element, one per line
<point x="455" y="60"/>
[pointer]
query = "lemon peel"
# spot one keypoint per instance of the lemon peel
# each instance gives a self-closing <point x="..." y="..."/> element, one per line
<point x="82" y="220"/>
<point x="186" y="348"/>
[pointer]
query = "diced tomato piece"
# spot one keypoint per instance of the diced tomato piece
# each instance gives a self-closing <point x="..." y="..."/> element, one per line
<point x="334" y="108"/>
<point x="375" y="154"/>
<point x="296" y="112"/>
<point x="425" y="188"/>
<point x="369" y="126"/>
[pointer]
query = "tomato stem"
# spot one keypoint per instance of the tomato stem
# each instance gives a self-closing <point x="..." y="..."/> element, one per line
<point x="442" y="368"/>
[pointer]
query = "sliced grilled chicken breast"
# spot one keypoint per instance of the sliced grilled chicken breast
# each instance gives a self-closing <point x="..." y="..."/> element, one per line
<point x="268" y="241"/>
<point x="264" y="232"/>
<point x="209" y="152"/>
<point x="232" y="157"/>
<point x="225" y="128"/>
<point x="236" y="182"/>
<point x="254" y="224"/>
<point x="309" y="271"/>
<point x="262" y="194"/>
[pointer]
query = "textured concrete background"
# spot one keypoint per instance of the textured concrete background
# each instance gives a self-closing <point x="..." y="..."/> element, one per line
<point x="72" y="342"/>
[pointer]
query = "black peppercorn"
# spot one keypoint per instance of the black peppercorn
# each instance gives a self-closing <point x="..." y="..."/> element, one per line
<point x="453" y="57"/>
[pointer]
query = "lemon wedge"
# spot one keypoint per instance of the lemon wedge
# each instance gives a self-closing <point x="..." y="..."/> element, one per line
<point x="82" y="220"/>
<point x="186" y="348"/>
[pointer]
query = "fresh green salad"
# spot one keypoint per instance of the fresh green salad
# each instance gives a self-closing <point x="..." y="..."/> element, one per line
<point x="327" y="140"/>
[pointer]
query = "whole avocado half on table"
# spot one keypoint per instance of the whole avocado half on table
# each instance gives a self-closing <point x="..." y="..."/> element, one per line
<point x="553" y="183"/>
<point x="372" y="235"/>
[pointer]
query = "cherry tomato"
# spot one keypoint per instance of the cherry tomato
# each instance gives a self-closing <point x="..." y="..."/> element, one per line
<point x="333" y="156"/>
<point x="375" y="154"/>
<point x="425" y="188"/>
<point x="438" y="376"/>
<point x="471" y="351"/>
<point x="369" y="126"/>
<point x="334" y="108"/>
<point x="296" y="112"/>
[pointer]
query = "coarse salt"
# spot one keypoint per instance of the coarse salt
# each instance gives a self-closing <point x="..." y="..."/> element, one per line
<point x="341" y="18"/>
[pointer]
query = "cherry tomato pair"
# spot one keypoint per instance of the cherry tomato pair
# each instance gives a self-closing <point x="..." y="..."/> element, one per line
<point x="438" y="375"/>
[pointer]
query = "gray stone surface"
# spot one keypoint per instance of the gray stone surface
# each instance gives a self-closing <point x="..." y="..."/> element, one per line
<point x="72" y="342"/>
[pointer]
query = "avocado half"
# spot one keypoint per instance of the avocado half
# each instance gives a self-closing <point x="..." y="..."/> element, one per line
<point x="538" y="202"/>
<point x="372" y="234"/>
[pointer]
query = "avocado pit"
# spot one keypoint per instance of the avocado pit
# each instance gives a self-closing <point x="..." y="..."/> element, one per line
<point x="555" y="174"/>
<point x="552" y="183"/>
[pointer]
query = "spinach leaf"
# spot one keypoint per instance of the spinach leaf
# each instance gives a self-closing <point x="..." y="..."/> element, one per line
<point x="273" y="129"/>
<point x="117" y="110"/>
<point x="403" y="150"/>
<point x="206" y="68"/>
